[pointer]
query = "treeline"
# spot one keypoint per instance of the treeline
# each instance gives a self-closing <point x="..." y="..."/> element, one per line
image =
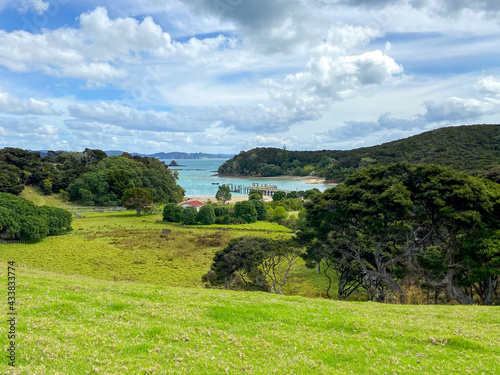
<point x="473" y="149"/>
<point x="88" y="177"/>
<point x="20" y="219"/>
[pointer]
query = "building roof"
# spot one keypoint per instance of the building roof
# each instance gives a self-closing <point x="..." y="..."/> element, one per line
<point x="195" y="203"/>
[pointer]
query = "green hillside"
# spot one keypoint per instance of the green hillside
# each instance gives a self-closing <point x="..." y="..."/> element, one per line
<point x="75" y="325"/>
<point x="467" y="148"/>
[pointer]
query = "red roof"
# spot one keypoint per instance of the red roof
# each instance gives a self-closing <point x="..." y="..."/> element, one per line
<point x="195" y="203"/>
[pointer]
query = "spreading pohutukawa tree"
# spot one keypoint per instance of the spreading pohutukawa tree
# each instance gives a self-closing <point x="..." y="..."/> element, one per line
<point x="254" y="262"/>
<point x="401" y="220"/>
<point x="137" y="199"/>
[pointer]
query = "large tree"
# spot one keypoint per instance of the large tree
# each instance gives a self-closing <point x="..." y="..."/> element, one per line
<point x="393" y="221"/>
<point x="254" y="262"/>
<point x="137" y="199"/>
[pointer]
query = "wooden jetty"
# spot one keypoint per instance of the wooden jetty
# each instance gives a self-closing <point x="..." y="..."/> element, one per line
<point x="266" y="189"/>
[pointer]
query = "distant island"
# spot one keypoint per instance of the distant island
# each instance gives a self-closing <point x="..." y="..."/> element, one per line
<point x="175" y="155"/>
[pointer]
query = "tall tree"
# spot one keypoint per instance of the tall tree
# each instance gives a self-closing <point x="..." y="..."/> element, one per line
<point x="223" y="193"/>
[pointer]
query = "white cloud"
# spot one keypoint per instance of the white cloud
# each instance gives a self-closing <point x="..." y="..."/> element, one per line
<point x="489" y="86"/>
<point x="29" y="130"/>
<point x="100" y="49"/>
<point x="36" y="6"/>
<point x="133" y="119"/>
<point x="11" y="105"/>
<point x="459" y="109"/>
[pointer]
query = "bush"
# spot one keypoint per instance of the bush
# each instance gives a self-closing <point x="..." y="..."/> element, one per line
<point x="22" y="220"/>
<point x="261" y="209"/>
<point x="309" y="193"/>
<point x="245" y="211"/>
<point x="279" y="195"/>
<point x="167" y="211"/>
<point x="46" y="186"/>
<point x="189" y="216"/>
<point x="221" y="211"/>
<point x="256" y="194"/>
<point x="280" y="214"/>
<point x="172" y="213"/>
<point x="290" y="204"/>
<point x="228" y="220"/>
<point x="206" y="216"/>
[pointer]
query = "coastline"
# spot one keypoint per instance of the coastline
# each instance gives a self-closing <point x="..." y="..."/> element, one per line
<point x="309" y="179"/>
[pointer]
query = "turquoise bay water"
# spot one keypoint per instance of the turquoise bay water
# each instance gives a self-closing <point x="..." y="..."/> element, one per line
<point x="196" y="176"/>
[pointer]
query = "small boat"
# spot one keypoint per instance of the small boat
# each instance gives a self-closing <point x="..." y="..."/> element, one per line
<point x="215" y="183"/>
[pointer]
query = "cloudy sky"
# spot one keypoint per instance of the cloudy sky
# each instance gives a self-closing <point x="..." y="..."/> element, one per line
<point x="229" y="75"/>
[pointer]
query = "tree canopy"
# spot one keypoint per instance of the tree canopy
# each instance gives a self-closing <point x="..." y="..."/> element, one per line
<point x="20" y="219"/>
<point x="106" y="183"/>
<point x="137" y="199"/>
<point x="254" y="263"/>
<point x="398" y="221"/>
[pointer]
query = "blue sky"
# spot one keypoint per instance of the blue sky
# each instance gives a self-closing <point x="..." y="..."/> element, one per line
<point x="230" y="75"/>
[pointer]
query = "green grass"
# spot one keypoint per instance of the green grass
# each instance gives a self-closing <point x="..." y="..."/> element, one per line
<point x="124" y="247"/>
<point x="34" y="194"/>
<point x="74" y="325"/>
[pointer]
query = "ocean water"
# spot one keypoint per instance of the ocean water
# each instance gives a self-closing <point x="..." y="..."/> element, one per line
<point x="197" y="175"/>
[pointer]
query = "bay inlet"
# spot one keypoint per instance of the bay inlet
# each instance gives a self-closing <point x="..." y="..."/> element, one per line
<point x="196" y="176"/>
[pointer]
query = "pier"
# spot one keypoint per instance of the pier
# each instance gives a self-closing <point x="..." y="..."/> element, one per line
<point x="266" y="189"/>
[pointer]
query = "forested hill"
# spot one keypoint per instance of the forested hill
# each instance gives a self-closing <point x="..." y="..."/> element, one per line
<point x="473" y="149"/>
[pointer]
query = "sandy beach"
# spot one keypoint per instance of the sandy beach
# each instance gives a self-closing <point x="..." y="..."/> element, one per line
<point x="233" y="200"/>
<point x="308" y="179"/>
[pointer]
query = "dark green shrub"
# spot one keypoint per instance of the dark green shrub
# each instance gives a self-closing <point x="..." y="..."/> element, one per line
<point x="189" y="216"/>
<point x="20" y="219"/>
<point x="206" y="216"/>
<point x="221" y="211"/>
<point x="245" y="211"/>
<point x="167" y="211"/>
<point x="261" y="209"/>
<point x="279" y="195"/>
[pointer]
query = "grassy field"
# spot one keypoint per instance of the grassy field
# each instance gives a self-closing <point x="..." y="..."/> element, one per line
<point x="74" y="325"/>
<point x="34" y="194"/>
<point x="124" y="247"/>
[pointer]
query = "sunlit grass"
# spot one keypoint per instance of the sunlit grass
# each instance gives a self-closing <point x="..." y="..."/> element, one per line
<point x="122" y="246"/>
<point x="76" y="325"/>
<point x="34" y="194"/>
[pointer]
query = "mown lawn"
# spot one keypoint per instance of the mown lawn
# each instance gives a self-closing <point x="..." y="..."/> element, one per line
<point x="76" y="325"/>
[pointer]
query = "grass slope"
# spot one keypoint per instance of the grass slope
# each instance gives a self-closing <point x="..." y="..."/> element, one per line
<point x="124" y="247"/>
<point x="74" y="325"/>
<point x="33" y="193"/>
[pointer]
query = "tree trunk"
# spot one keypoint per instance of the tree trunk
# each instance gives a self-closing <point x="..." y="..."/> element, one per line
<point x="459" y="295"/>
<point x="318" y="267"/>
<point x="138" y="211"/>
<point x="489" y="292"/>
